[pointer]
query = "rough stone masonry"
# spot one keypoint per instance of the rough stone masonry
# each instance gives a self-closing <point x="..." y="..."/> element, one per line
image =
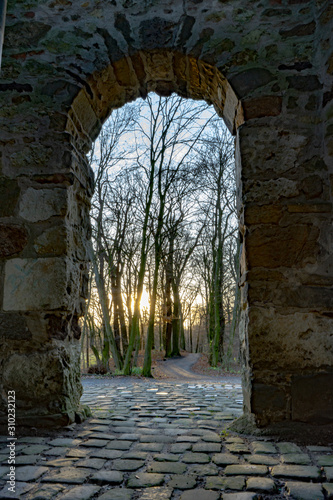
<point x="267" y="66"/>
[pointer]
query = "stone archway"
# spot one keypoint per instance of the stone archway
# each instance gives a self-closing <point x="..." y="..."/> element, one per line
<point x="65" y="67"/>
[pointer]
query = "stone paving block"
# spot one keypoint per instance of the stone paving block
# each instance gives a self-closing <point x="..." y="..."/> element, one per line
<point x="180" y="447"/>
<point x="91" y="463"/>
<point x="67" y="475"/>
<point x="84" y="492"/>
<point x="3" y="472"/>
<point x="33" y="439"/>
<point x="128" y="465"/>
<point x="198" y="432"/>
<point x="196" y="458"/>
<point x="107" y="454"/>
<point x="260" y="484"/>
<point x="262" y="459"/>
<point x="329" y="473"/>
<point x="28" y="473"/>
<point x="239" y="496"/>
<point x="306" y="472"/>
<point x="199" y="494"/>
<point x="148" y="447"/>
<point x="20" y="489"/>
<point x="95" y="443"/>
<point x="328" y="488"/>
<point x="102" y="435"/>
<point x="119" y="445"/>
<point x="26" y="459"/>
<point x="319" y="449"/>
<point x="234" y="483"/>
<point x="144" y="430"/>
<point x="286" y="448"/>
<point x="36" y="449"/>
<point x="304" y="491"/>
<point x="234" y="439"/>
<point x="56" y="451"/>
<point x="167" y="467"/>
<point x="135" y="455"/>
<point x="187" y="439"/>
<point x="225" y="459"/>
<point x="77" y="453"/>
<point x="126" y="423"/>
<point x="99" y="428"/>
<point x="262" y="447"/>
<point x="166" y="457"/>
<point x="156" y="439"/>
<point x="129" y="437"/>
<point x="296" y="458"/>
<point x="214" y="483"/>
<point x="107" y="477"/>
<point x="206" y="447"/>
<point x="101" y="421"/>
<point x="46" y="491"/>
<point x="211" y="437"/>
<point x="62" y="462"/>
<point x="237" y="448"/>
<point x="246" y="470"/>
<point x="67" y="442"/>
<point x="325" y="460"/>
<point x="182" y="482"/>
<point x="144" y="480"/>
<point x="203" y="470"/>
<point x="157" y="493"/>
<point x="84" y="434"/>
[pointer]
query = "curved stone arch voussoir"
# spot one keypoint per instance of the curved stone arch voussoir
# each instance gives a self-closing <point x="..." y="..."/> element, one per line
<point x="161" y="71"/>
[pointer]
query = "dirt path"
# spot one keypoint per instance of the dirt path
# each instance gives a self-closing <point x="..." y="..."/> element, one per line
<point x="181" y="369"/>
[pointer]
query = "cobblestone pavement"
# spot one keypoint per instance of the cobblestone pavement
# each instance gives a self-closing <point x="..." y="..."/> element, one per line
<point x="160" y="440"/>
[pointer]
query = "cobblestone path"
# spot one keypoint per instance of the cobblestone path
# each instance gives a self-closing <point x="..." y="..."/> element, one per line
<point x="162" y="440"/>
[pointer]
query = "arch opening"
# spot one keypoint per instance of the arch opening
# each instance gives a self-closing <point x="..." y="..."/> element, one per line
<point x="168" y="165"/>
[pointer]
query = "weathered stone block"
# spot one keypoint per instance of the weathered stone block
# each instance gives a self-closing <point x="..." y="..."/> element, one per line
<point x="9" y="194"/>
<point x="266" y="397"/>
<point x="13" y="239"/>
<point x="288" y="295"/>
<point x="27" y="289"/>
<point x="262" y="106"/>
<point x="41" y="204"/>
<point x="29" y="160"/>
<point x="14" y="327"/>
<point x="249" y="80"/>
<point x="46" y="376"/>
<point x="312" y="397"/>
<point x="271" y="246"/>
<point x="52" y="241"/>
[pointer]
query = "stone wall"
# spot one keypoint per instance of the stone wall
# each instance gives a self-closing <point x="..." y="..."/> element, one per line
<point x="268" y="69"/>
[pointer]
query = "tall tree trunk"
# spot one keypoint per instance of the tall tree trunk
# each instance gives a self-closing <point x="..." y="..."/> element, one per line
<point x="190" y="333"/>
<point x="119" y="306"/>
<point x="146" y="371"/>
<point x="105" y="310"/>
<point x="168" y="302"/>
<point x="116" y="326"/>
<point x="176" y="320"/>
<point x="134" y="332"/>
<point x="182" y="330"/>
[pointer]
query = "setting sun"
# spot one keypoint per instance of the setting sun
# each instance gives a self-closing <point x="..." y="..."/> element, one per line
<point x="144" y="300"/>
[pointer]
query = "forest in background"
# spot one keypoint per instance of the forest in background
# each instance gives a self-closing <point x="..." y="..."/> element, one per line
<point x="164" y="246"/>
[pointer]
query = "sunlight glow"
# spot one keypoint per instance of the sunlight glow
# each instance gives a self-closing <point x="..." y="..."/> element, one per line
<point x="144" y="300"/>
